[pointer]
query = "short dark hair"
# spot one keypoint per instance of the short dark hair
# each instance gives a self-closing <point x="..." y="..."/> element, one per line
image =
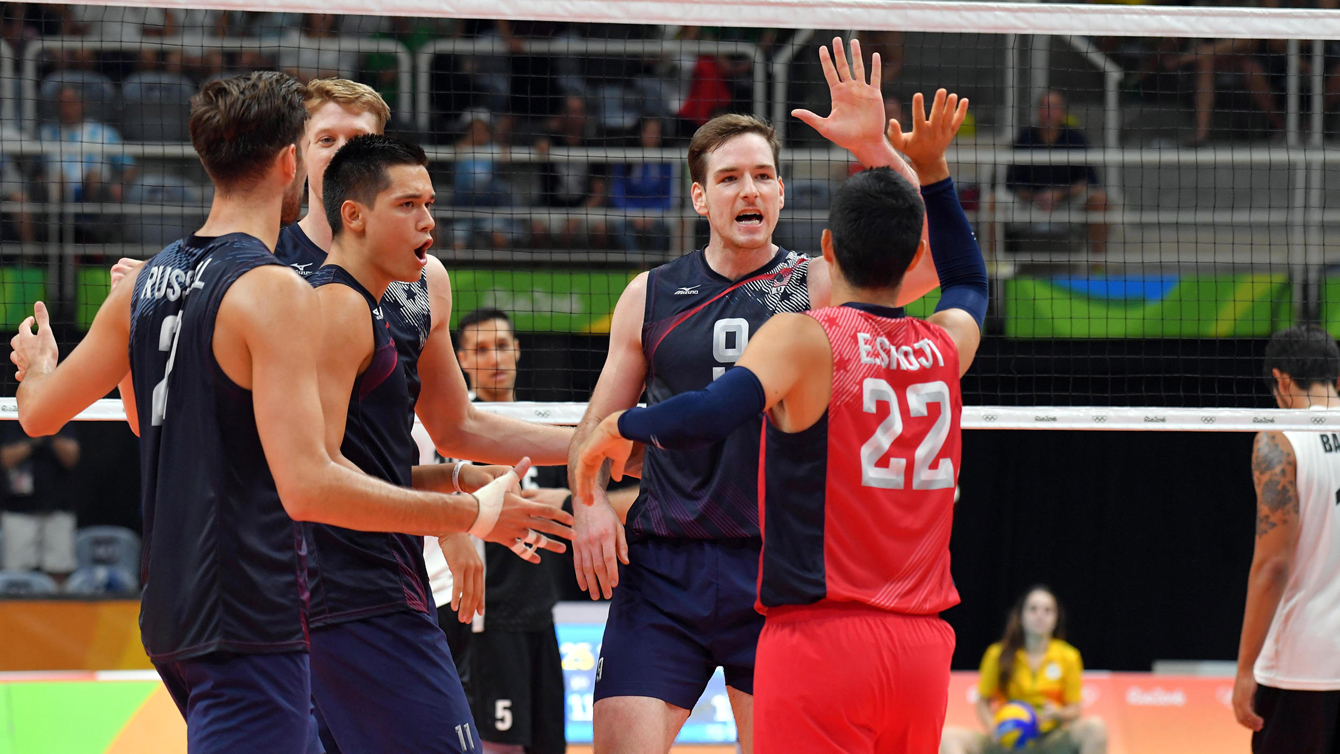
<point x="876" y="220"/>
<point x="1306" y="353"/>
<point x="479" y="316"/>
<point x="239" y="124"/>
<point x="358" y="172"/>
<point x="722" y="129"/>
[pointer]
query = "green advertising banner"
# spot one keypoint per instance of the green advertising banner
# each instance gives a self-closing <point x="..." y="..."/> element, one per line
<point x="1249" y="305"/>
<point x="1330" y="304"/>
<point x="542" y="300"/>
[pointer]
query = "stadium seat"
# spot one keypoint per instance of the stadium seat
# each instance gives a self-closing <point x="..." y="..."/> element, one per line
<point x="20" y="288"/>
<point x="99" y="94"/>
<point x="26" y="584"/>
<point x="114" y="546"/>
<point x="163" y="189"/>
<point x="101" y="580"/>
<point x="157" y="106"/>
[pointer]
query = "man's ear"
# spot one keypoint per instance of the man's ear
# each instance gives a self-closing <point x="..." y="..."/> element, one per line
<point x="781" y="192"/>
<point x="826" y="245"/>
<point x="288" y="162"/>
<point x="351" y="212"/>
<point x="699" y="196"/>
<point x="1283" y="386"/>
<point x="923" y="248"/>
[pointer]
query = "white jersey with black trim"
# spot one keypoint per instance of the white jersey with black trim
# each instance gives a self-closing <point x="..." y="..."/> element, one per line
<point x="1302" y="649"/>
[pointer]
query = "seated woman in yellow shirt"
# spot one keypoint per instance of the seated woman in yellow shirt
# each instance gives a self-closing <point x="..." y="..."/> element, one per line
<point x="1033" y="664"/>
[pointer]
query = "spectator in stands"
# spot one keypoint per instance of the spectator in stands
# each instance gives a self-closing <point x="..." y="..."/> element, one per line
<point x="570" y="184"/>
<point x="1255" y="60"/>
<point x="12" y="189"/>
<point x="1051" y="187"/>
<point x="37" y="516"/>
<point x="645" y="187"/>
<point x="384" y="67"/>
<point x="477" y="184"/>
<point x="118" y="23"/>
<point x="314" y="52"/>
<point x="1032" y="663"/>
<point x="534" y="84"/>
<point x="85" y="176"/>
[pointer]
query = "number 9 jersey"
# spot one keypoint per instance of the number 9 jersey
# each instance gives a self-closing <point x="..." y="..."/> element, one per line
<point x="859" y="507"/>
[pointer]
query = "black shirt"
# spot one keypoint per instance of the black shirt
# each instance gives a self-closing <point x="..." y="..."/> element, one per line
<point x="1035" y="177"/>
<point x="40" y="482"/>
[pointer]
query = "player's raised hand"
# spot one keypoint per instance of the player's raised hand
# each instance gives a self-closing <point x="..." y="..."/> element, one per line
<point x="856" y="119"/>
<point x="123" y="267"/>
<point x="467" y="575"/>
<point x="34" y="351"/>
<point x="930" y="136"/>
<point x="604" y="442"/>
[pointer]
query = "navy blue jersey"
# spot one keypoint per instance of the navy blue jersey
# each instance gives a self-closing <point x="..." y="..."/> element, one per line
<point x="696" y="325"/>
<point x="406" y="305"/>
<point x="224" y="567"/>
<point x="357" y="574"/>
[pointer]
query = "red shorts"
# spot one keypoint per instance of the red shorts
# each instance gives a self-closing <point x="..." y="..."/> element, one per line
<point x="850" y="678"/>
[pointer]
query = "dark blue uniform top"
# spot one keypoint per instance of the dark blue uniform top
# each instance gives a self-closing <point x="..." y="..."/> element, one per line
<point x="696" y="325"/>
<point x="358" y="574"/>
<point x="224" y="567"/>
<point x="406" y="305"/>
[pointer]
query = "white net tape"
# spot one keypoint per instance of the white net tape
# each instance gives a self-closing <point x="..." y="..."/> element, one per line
<point x="974" y="417"/>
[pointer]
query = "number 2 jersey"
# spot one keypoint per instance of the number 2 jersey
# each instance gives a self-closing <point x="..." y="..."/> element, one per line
<point x="224" y="566"/>
<point x="860" y="506"/>
<point x="695" y="326"/>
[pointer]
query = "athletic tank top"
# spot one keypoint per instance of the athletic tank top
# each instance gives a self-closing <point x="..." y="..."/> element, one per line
<point x="860" y="506"/>
<point x="405" y="305"/>
<point x="1302" y="649"/>
<point x="696" y="325"/>
<point x="358" y="574"/>
<point x="224" y="567"/>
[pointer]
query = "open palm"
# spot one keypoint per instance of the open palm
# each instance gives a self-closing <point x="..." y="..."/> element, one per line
<point x="930" y="137"/>
<point x="857" y="114"/>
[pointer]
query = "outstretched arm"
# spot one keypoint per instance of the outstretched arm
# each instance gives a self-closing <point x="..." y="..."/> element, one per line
<point x="856" y="123"/>
<point x="458" y="428"/>
<point x="51" y="395"/>
<point x="1275" y="473"/>
<point x="779" y="371"/>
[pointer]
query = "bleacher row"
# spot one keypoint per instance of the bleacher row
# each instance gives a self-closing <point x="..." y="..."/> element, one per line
<point x="108" y="561"/>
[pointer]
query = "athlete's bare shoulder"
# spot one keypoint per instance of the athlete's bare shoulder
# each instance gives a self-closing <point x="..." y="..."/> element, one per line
<point x="265" y="291"/>
<point x="439" y="291"/>
<point x="629" y="313"/>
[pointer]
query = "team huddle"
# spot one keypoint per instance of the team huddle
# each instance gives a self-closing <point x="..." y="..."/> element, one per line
<point x="798" y="453"/>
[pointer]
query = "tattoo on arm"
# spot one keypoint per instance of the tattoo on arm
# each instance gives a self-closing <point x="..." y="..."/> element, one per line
<point x="1275" y="472"/>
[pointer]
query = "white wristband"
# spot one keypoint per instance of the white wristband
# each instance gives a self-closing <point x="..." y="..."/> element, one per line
<point x="490" y="498"/>
<point x="456" y="476"/>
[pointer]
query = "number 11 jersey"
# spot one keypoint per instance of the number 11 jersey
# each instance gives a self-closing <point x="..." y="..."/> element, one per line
<point x="859" y="507"/>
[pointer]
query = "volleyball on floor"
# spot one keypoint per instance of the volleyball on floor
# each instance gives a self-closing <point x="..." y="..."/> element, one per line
<point x="1016" y="725"/>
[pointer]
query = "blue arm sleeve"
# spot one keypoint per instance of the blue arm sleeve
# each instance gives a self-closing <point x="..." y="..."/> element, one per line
<point x="958" y="259"/>
<point x="700" y="417"/>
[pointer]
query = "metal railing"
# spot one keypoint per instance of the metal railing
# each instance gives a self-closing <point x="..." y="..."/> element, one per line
<point x="263" y="45"/>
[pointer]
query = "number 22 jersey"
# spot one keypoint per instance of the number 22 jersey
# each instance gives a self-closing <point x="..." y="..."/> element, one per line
<point x="859" y="507"/>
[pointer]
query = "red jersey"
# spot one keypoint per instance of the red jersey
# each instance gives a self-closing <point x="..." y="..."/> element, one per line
<point x="860" y="506"/>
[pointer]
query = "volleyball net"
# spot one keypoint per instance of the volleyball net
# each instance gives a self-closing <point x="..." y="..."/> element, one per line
<point x="1153" y="187"/>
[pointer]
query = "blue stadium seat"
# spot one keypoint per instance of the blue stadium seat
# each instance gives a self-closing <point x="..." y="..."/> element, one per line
<point x="26" y="584"/>
<point x="101" y="580"/>
<point x="162" y="189"/>
<point x="157" y="106"/>
<point x="114" y="546"/>
<point x="99" y="94"/>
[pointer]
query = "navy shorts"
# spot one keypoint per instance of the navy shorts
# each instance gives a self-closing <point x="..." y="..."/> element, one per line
<point x="682" y="608"/>
<point x="388" y="683"/>
<point x="242" y="703"/>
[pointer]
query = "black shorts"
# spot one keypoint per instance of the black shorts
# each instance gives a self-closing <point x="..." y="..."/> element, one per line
<point x="1297" y="722"/>
<point x="516" y="689"/>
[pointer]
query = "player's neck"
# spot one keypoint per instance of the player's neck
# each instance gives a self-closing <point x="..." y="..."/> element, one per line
<point x="256" y="213"/>
<point x="487" y="395"/>
<point x="1035" y="644"/>
<point x="846" y="294"/>
<point x="1319" y="396"/>
<point x="732" y="262"/>
<point x="349" y="252"/>
<point x="314" y="225"/>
